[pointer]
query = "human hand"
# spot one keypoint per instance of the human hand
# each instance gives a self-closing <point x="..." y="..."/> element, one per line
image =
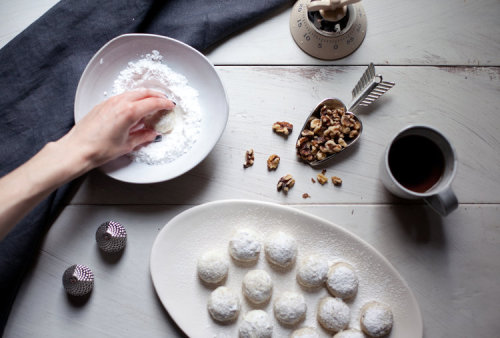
<point x="112" y="128"/>
<point x="109" y="130"/>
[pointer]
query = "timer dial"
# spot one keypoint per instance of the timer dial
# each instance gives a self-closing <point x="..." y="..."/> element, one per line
<point x="325" y="34"/>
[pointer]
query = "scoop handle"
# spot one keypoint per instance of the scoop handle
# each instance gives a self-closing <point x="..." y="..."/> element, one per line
<point x="368" y="89"/>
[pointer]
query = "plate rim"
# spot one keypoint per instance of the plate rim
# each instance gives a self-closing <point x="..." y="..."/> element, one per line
<point x="213" y="204"/>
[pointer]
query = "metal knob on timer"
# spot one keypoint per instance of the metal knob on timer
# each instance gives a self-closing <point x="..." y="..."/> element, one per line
<point x="78" y="280"/>
<point x="111" y="237"/>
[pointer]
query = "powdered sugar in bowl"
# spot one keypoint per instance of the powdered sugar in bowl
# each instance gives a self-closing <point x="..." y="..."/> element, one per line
<point x="151" y="61"/>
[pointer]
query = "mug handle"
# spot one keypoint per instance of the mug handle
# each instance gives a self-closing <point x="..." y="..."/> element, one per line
<point x="443" y="203"/>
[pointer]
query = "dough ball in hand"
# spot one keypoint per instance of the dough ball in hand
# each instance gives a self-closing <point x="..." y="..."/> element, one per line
<point x="163" y="121"/>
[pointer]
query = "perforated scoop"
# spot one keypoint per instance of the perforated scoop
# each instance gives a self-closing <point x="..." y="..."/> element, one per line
<point x="331" y="127"/>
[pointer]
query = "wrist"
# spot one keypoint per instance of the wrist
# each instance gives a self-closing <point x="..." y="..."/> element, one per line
<point x="68" y="161"/>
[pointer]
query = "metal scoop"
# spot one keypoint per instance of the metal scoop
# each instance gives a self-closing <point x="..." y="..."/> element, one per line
<point x="331" y="127"/>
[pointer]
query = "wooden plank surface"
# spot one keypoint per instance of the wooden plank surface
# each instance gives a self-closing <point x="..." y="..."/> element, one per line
<point x="17" y="15"/>
<point x="450" y="264"/>
<point x="426" y="32"/>
<point x="444" y="57"/>
<point x="461" y="102"/>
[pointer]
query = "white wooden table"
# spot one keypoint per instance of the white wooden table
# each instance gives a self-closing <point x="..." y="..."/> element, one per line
<point x="445" y="58"/>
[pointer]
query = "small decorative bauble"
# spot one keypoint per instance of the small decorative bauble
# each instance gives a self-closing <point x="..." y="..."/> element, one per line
<point x="111" y="237"/>
<point x="78" y="280"/>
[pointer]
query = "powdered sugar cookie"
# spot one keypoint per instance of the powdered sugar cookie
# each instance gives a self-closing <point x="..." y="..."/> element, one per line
<point x="333" y="314"/>
<point x="376" y="319"/>
<point x="257" y="286"/>
<point x="351" y="333"/>
<point x="312" y="271"/>
<point x="223" y="304"/>
<point x="342" y="281"/>
<point x="256" y="323"/>
<point x="281" y="249"/>
<point x="213" y="266"/>
<point x="305" y="332"/>
<point x="244" y="246"/>
<point x="290" y="308"/>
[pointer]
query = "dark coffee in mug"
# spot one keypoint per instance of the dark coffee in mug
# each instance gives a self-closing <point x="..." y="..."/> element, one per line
<point x="416" y="162"/>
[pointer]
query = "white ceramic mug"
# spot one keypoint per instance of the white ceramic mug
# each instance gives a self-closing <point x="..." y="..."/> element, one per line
<point x="401" y="167"/>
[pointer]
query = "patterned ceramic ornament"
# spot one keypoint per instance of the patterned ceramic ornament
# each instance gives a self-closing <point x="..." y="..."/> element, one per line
<point x="111" y="237"/>
<point x="78" y="280"/>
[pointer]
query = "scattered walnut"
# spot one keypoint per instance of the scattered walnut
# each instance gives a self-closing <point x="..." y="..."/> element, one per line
<point x="306" y="195"/>
<point x="336" y="180"/>
<point x="249" y="158"/>
<point x="284" y="128"/>
<point x="313" y="180"/>
<point x="322" y="179"/>
<point x="285" y="183"/>
<point x="273" y="161"/>
<point x="327" y="134"/>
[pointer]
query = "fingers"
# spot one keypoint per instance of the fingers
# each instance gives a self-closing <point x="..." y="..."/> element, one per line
<point x="139" y="94"/>
<point x="138" y="126"/>
<point x="141" y="137"/>
<point x="148" y="106"/>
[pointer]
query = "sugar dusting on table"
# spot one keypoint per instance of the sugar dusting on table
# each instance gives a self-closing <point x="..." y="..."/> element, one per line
<point x="151" y="72"/>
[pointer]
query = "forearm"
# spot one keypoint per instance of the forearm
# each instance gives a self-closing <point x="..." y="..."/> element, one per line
<point x="101" y="136"/>
<point x="25" y="187"/>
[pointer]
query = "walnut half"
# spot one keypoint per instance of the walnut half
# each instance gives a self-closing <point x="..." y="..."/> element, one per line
<point x="322" y="179"/>
<point x="285" y="183"/>
<point x="273" y="161"/>
<point x="336" y="180"/>
<point x="283" y="128"/>
<point x="249" y="158"/>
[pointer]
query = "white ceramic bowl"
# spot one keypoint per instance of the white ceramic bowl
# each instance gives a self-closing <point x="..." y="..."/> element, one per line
<point x="97" y="81"/>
